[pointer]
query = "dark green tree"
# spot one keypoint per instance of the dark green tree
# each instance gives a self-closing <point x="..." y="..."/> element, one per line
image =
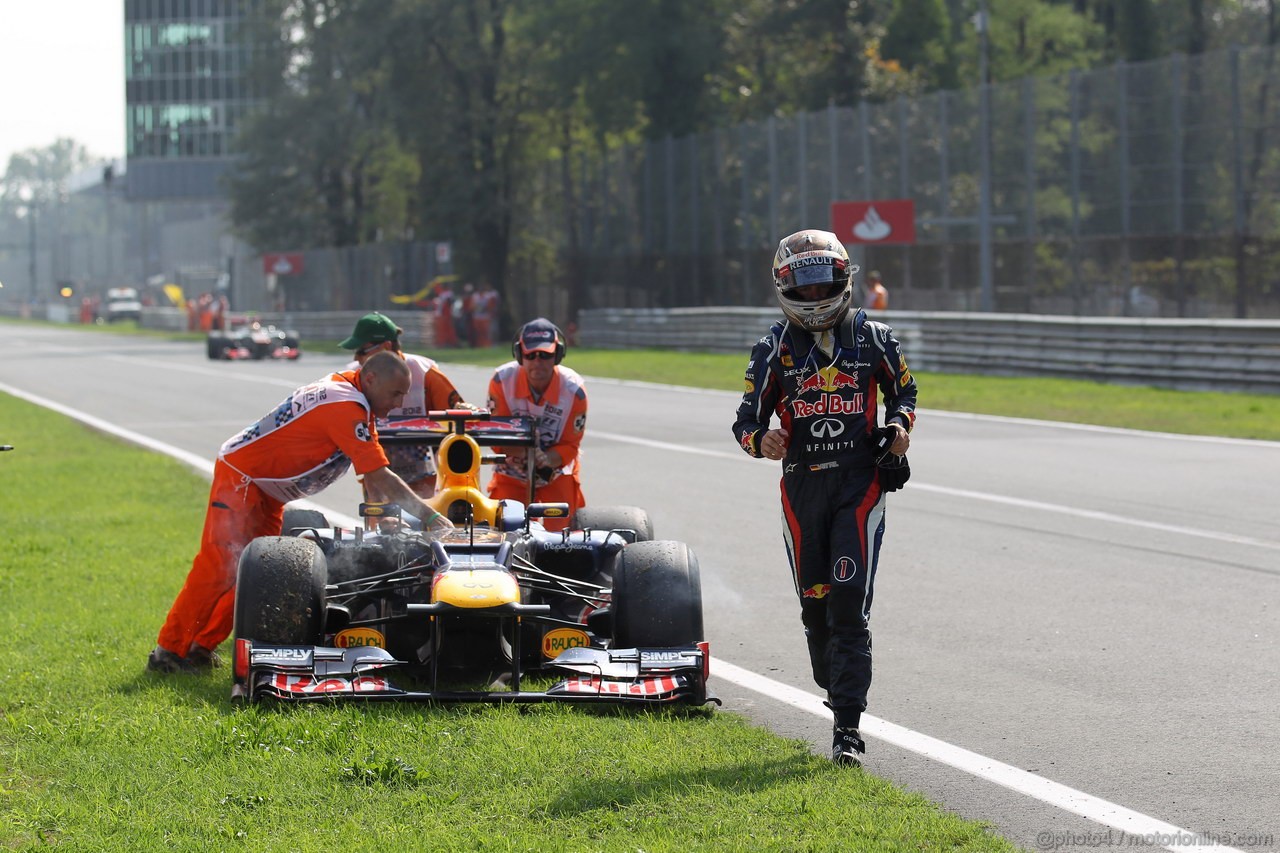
<point x="466" y="105"/>
<point x="1132" y="27"/>
<point x="795" y="55"/>
<point x="644" y="65"/>
<point x="321" y="165"/>
<point x="1033" y="38"/>
<point x="918" y="35"/>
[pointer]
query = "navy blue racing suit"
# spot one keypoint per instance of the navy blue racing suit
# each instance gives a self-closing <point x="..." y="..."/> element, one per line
<point x="832" y="500"/>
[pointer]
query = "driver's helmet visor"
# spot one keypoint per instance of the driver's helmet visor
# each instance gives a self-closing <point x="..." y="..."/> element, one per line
<point x="826" y="279"/>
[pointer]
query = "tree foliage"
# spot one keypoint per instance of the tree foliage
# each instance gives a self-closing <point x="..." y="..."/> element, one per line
<point x="918" y="35"/>
<point x="322" y="165"/>
<point x="429" y="118"/>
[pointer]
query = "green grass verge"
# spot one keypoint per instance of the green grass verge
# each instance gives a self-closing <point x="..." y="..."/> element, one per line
<point x="97" y="754"/>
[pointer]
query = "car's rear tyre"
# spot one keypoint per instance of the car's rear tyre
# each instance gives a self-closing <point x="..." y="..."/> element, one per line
<point x="621" y="518"/>
<point x="657" y="596"/>
<point x="280" y="591"/>
<point x="297" y="519"/>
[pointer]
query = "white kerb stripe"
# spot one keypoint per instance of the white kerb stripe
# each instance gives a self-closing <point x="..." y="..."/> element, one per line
<point x="917" y="486"/>
<point x="1006" y="775"/>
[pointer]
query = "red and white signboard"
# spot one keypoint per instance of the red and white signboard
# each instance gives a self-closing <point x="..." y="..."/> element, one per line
<point x="282" y="263"/>
<point x="880" y="221"/>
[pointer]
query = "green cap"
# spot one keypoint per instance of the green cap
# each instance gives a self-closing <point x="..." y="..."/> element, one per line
<point x="372" y="328"/>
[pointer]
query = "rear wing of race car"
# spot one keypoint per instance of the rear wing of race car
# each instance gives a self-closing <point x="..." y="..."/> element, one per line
<point x="477" y="427"/>
<point x="488" y="430"/>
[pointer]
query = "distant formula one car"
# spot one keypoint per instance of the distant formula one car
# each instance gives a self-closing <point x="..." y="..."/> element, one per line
<point x="252" y="340"/>
<point x="386" y="613"/>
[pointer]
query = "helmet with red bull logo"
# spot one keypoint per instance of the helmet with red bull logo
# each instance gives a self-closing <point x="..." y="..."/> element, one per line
<point x="814" y="279"/>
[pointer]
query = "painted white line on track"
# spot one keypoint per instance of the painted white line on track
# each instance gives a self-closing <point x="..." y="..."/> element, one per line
<point x="1135" y="433"/>
<point x="1006" y="775"/>
<point x="199" y="463"/>
<point x="1033" y="786"/>
<point x="736" y="456"/>
<point x="971" y="416"/>
<point x="1094" y="515"/>
<point x="968" y="494"/>
<point x="202" y="465"/>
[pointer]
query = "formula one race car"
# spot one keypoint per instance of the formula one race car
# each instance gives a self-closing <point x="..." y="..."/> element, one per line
<point x="324" y="612"/>
<point x="252" y="340"/>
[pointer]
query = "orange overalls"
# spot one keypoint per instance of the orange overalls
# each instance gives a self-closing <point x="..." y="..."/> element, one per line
<point x="562" y="417"/>
<point x="301" y="447"/>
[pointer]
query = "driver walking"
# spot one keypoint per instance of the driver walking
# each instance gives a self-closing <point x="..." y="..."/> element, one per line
<point x="819" y="370"/>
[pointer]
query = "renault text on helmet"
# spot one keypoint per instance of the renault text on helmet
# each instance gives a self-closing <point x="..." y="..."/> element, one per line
<point x="814" y="279"/>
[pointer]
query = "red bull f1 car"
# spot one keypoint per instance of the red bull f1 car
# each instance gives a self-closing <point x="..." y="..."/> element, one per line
<point x="598" y="613"/>
<point x="253" y="340"/>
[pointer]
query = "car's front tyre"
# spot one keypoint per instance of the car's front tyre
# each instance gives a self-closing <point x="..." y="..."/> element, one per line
<point x="280" y="591"/>
<point x="657" y="596"/>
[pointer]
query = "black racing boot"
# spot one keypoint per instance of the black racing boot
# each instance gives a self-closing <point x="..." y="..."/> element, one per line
<point x="202" y="658"/>
<point x="847" y="747"/>
<point x="165" y="661"/>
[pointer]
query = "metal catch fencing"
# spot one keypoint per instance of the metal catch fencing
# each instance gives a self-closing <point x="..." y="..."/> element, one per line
<point x="1140" y="189"/>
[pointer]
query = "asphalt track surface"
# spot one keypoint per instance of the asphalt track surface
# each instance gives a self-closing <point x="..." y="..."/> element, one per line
<point x="1094" y="608"/>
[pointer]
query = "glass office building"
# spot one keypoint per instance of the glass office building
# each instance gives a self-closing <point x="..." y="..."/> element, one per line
<point x="186" y="89"/>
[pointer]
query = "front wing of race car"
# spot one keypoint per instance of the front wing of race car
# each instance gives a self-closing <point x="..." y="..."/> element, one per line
<point x="285" y="352"/>
<point x="613" y="676"/>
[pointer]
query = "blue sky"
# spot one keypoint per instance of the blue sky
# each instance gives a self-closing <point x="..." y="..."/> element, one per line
<point x="61" y="74"/>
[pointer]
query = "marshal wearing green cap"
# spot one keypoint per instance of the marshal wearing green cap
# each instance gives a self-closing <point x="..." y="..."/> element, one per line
<point x="372" y="328"/>
<point x="430" y="389"/>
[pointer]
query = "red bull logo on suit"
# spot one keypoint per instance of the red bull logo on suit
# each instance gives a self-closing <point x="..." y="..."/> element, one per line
<point x="829" y="404"/>
<point x="827" y="379"/>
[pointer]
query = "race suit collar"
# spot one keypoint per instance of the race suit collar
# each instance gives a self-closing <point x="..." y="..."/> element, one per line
<point x="847" y="331"/>
<point x="845" y="338"/>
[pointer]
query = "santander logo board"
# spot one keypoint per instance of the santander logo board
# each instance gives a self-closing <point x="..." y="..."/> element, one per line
<point x="282" y="263"/>
<point x="880" y="221"/>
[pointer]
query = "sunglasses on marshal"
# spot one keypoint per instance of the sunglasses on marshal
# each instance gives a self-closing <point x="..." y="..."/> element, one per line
<point x="539" y="356"/>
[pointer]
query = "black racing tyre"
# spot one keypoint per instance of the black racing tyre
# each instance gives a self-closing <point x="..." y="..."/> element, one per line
<point x="615" y="518"/>
<point x="657" y="596"/>
<point x="215" y="345"/>
<point x="280" y="591"/>
<point x="297" y="519"/>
